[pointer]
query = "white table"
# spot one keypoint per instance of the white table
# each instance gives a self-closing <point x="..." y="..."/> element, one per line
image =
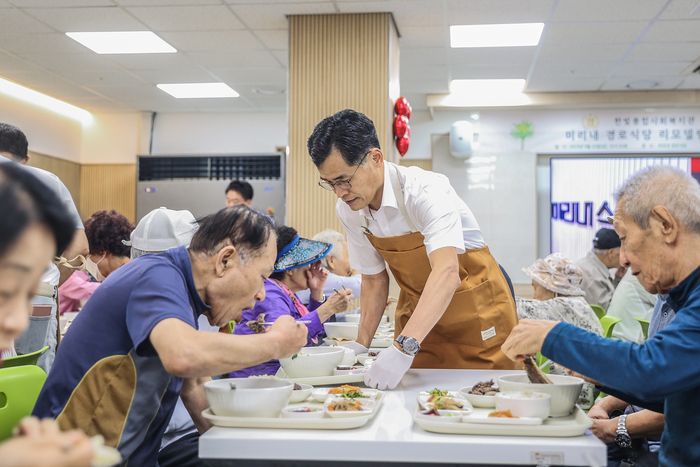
<point x="393" y="437"/>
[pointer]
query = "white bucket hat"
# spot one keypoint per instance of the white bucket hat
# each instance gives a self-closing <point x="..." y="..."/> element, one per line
<point x="557" y="274"/>
<point x="162" y="229"/>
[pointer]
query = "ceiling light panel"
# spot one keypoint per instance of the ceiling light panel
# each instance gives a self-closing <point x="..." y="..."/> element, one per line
<point x="122" y="42"/>
<point x="198" y="90"/>
<point x="496" y="35"/>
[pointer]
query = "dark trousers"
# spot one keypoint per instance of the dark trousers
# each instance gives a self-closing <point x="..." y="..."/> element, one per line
<point x="182" y="453"/>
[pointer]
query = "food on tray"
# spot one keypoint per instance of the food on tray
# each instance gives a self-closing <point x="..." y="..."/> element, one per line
<point x="344" y="367"/>
<point x="297" y="387"/>
<point x="502" y="414"/>
<point x="437" y="392"/>
<point x="434" y="413"/>
<point x="300" y="354"/>
<point x="345" y="405"/>
<point x="303" y="410"/>
<point x="534" y="373"/>
<point x="372" y="354"/>
<point x="444" y="403"/>
<point x="347" y="391"/>
<point x="257" y="326"/>
<point x="484" y="388"/>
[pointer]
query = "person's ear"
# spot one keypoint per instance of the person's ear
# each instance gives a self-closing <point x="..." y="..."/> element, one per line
<point x="377" y="157"/>
<point x="225" y="259"/>
<point x="663" y="222"/>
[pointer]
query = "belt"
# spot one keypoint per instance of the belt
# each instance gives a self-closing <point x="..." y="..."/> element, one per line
<point x="47" y="290"/>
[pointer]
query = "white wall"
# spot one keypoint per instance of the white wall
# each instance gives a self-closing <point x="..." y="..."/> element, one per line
<point x="111" y="139"/>
<point x="48" y="132"/>
<point x="218" y="133"/>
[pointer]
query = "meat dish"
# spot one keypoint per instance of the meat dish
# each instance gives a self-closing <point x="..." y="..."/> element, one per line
<point x="484" y="388"/>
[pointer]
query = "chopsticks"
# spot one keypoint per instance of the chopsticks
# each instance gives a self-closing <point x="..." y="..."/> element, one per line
<point x="302" y="322"/>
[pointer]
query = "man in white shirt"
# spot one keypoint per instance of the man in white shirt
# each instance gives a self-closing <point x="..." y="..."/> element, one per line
<point x="44" y="330"/>
<point x="455" y="304"/>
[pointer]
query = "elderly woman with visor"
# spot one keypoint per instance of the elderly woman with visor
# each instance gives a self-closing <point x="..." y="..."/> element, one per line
<point x="298" y="267"/>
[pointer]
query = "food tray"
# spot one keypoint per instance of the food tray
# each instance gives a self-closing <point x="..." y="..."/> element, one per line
<point x="322" y="380"/>
<point x="325" y="423"/>
<point x="575" y="424"/>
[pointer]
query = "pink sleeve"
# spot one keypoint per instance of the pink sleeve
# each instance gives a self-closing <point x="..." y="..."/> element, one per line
<point x="77" y="287"/>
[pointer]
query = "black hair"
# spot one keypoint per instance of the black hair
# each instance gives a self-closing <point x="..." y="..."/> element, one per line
<point x="24" y="201"/>
<point x="14" y="141"/>
<point x="106" y="230"/>
<point x="244" y="188"/>
<point x="349" y="132"/>
<point x="285" y="235"/>
<point x="244" y="228"/>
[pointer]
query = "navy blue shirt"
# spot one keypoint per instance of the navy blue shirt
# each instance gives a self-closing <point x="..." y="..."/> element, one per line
<point x="663" y="374"/>
<point x="107" y="378"/>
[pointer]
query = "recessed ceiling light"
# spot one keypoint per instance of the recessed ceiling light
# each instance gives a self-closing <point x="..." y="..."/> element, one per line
<point x="198" y="90"/>
<point x="42" y="100"/>
<point x="643" y="84"/>
<point x="268" y="92"/>
<point x="122" y="42"/>
<point x="496" y="35"/>
<point x="487" y="92"/>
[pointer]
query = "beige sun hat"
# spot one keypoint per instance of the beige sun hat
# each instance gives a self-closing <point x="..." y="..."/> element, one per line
<point x="557" y="274"/>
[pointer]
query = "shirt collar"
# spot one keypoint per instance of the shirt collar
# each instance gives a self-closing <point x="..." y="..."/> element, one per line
<point x="388" y="197"/>
<point x="681" y="294"/>
<point x="181" y="259"/>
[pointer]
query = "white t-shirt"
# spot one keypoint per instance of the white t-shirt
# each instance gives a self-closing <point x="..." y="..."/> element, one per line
<point x="52" y="275"/>
<point x="433" y="206"/>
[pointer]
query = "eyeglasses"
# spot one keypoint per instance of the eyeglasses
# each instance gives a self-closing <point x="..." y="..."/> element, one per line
<point x="342" y="184"/>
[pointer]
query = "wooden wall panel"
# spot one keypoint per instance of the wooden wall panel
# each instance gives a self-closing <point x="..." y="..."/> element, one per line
<point x="335" y="62"/>
<point x="108" y="186"/>
<point x="425" y="164"/>
<point x="67" y="171"/>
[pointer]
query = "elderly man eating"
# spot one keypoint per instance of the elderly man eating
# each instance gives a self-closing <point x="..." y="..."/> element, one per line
<point x="658" y="220"/>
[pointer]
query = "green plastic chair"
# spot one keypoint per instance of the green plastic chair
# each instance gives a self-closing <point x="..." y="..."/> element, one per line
<point x="19" y="390"/>
<point x="541" y="360"/>
<point x="609" y="323"/>
<point x="599" y="311"/>
<point x="27" y="359"/>
<point x="645" y="326"/>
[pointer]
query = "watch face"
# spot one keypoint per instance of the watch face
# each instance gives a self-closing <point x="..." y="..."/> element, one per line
<point x="410" y="345"/>
<point x="623" y="440"/>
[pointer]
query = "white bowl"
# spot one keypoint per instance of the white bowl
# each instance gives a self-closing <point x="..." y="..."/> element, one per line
<point x="349" y="357"/>
<point x="524" y="403"/>
<point x="478" y="400"/>
<point x="446" y="416"/>
<point x="252" y="397"/>
<point x="300" y="395"/>
<point x="564" y="391"/>
<point x="341" y="330"/>
<point x="294" y="412"/>
<point x="312" y="362"/>
<point x="367" y="407"/>
<point x="364" y="356"/>
<point x="352" y="319"/>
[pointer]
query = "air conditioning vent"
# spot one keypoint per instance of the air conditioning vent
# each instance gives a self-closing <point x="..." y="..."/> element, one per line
<point x="212" y="168"/>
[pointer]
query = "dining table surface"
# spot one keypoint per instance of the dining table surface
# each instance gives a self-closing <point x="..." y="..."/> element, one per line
<point x="393" y="437"/>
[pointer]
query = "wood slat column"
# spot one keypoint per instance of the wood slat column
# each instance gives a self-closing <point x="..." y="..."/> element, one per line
<point x="335" y="62"/>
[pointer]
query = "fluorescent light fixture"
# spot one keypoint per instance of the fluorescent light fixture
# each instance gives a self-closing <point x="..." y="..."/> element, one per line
<point x="122" y="42"/>
<point x="42" y="100"/>
<point x="198" y="90"/>
<point x="487" y="93"/>
<point x="496" y="35"/>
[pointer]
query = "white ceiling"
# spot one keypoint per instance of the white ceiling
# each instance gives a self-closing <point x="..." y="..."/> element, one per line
<point x="587" y="45"/>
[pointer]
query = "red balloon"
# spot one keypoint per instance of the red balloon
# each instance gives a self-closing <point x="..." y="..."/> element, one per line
<point x="402" y="145"/>
<point x="400" y="126"/>
<point x="402" y="107"/>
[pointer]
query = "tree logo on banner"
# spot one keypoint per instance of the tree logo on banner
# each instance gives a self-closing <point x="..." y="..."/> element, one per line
<point x="521" y="131"/>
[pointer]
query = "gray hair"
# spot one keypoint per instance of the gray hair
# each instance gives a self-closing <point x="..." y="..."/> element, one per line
<point x="674" y="189"/>
<point x="598" y="251"/>
<point x="334" y="237"/>
<point x="135" y="252"/>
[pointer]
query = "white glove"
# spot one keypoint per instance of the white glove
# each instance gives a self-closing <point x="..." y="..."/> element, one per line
<point x="388" y="369"/>
<point x="357" y="347"/>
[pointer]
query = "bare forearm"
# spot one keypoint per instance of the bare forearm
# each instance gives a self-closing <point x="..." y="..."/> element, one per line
<point x="645" y="423"/>
<point x="373" y="297"/>
<point x="610" y="403"/>
<point x="195" y="401"/>
<point x="437" y="295"/>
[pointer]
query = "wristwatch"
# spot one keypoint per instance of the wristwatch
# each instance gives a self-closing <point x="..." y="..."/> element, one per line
<point x="409" y="345"/>
<point x="622" y="438"/>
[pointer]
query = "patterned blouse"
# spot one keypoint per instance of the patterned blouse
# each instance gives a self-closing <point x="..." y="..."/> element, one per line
<point x="573" y="310"/>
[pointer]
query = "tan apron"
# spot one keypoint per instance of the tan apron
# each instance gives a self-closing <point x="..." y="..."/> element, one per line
<point x="482" y="311"/>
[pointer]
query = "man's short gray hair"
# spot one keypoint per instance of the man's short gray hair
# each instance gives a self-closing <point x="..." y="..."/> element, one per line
<point x="661" y="186"/>
<point x="135" y="252"/>
<point x="598" y="251"/>
<point x="334" y="237"/>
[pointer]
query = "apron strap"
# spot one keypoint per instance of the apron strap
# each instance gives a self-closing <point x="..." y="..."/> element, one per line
<point x="398" y="193"/>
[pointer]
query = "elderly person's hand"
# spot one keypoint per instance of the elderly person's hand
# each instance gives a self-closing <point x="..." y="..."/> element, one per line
<point x="317" y="276"/>
<point x="605" y="430"/>
<point x="527" y="338"/>
<point x="289" y="335"/>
